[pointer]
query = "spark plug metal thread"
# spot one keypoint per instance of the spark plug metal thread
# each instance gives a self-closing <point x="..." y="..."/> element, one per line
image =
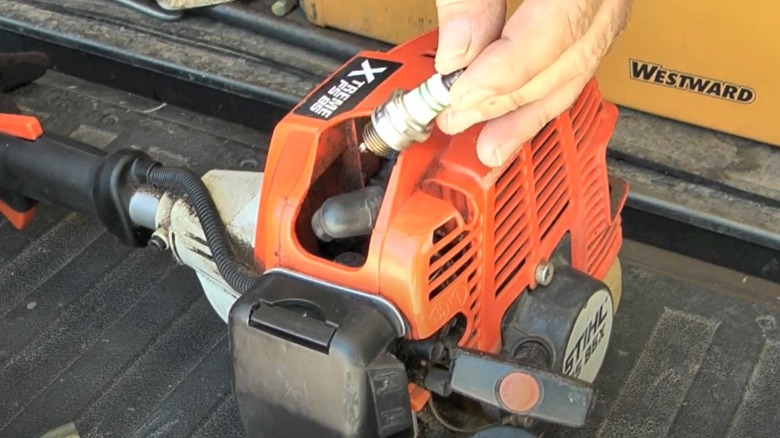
<point x="407" y="118"/>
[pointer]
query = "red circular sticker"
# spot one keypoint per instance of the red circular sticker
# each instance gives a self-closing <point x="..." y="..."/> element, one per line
<point x="519" y="392"/>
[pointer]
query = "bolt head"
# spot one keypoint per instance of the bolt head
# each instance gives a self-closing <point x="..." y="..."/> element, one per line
<point x="281" y="8"/>
<point x="544" y="273"/>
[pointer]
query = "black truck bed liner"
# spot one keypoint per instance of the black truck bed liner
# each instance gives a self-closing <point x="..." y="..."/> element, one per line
<point x="124" y="343"/>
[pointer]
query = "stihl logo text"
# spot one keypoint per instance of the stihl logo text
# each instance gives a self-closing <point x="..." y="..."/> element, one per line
<point x="587" y="343"/>
<point x="658" y="75"/>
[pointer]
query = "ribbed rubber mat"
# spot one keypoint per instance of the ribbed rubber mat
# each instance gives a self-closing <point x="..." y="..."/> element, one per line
<point x="694" y="353"/>
<point x="124" y="344"/>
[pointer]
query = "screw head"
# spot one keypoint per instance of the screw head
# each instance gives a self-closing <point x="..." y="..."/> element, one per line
<point x="545" y="273"/>
<point x="280" y="8"/>
<point x="157" y="243"/>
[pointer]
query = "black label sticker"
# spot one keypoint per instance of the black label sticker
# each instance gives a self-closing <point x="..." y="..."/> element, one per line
<point x="347" y="88"/>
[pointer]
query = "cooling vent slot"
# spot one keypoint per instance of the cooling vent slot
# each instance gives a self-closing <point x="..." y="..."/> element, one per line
<point x="511" y="230"/>
<point x="583" y="114"/>
<point x="599" y="246"/>
<point x="597" y="208"/>
<point x="475" y="306"/>
<point x="595" y="187"/>
<point x="550" y="178"/>
<point x="594" y="191"/>
<point x="455" y="255"/>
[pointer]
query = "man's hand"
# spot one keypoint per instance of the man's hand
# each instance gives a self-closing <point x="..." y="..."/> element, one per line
<point x="523" y="73"/>
<point x="18" y="70"/>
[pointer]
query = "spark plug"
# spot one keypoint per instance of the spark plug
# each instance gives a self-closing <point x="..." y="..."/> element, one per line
<point x="407" y="117"/>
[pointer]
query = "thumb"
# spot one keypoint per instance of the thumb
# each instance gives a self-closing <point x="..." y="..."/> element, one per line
<point x="466" y="27"/>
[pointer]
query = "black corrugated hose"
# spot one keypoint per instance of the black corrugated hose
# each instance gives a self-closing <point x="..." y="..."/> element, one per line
<point x="208" y="215"/>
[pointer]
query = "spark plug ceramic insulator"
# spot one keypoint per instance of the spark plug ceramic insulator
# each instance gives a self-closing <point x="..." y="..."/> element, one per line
<point x="407" y="118"/>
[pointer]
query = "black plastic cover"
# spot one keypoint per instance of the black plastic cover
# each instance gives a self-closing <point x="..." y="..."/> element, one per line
<point x="549" y="315"/>
<point x="312" y="360"/>
<point x="563" y="400"/>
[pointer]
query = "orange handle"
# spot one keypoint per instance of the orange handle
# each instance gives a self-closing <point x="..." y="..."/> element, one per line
<point x="24" y="127"/>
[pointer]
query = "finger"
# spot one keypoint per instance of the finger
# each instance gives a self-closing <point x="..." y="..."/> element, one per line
<point x="536" y="35"/>
<point x="502" y="137"/>
<point x="584" y="56"/>
<point x="466" y="27"/>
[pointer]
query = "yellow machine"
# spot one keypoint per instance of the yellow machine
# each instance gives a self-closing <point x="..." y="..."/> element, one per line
<point x="709" y="64"/>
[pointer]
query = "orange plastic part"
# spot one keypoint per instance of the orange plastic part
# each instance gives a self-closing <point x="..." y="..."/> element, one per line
<point x="453" y="238"/>
<point x="418" y="397"/>
<point x="24" y="127"/>
<point x="20" y="220"/>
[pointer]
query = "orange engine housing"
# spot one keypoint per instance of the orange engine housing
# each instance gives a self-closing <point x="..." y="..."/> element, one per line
<point x="453" y="237"/>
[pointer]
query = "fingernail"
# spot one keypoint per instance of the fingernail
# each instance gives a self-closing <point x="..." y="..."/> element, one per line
<point x="454" y="42"/>
<point x="458" y="121"/>
<point x="471" y="98"/>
